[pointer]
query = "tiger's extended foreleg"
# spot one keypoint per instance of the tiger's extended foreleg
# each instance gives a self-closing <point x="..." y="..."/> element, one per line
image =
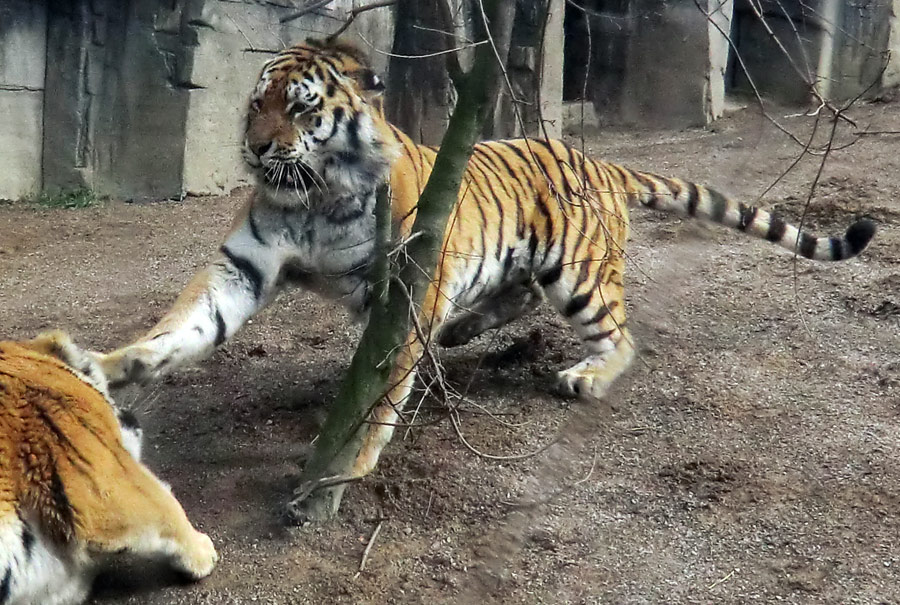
<point x="213" y="306"/>
<point x="496" y="311"/>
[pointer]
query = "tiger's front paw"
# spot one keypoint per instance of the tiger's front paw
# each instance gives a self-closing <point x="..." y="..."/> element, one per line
<point x="128" y="365"/>
<point x="200" y="559"/>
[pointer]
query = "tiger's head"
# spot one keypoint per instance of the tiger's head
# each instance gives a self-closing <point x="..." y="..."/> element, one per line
<point x="315" y="126"/>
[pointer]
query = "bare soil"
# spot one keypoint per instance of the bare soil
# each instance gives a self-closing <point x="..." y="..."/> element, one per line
<point x="751" y="456"/>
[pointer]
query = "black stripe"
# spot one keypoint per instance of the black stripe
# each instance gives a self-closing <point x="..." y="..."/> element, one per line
<point x="328" y="61"/>
<point x="61" y="436"/>
<point x="748" y="215"/>
<point x="532" y="245"/>
<point x="550" y="276"/>
<point x="128" y="419"/>
<point x="649" y="185"/>
<point x="474" y="170"/>
<point x="27" y="544"/>
<point x="250" y="272"/>
<point x="61" y="505"/>
<point x="515" y="149"/>
<point x="254" y="228"/>
<point x="5" y="586"/>
<point x="808" y="245"/>
<point x="674" y="186"/>
<point x="508" y="260"/>
<point x="837" y="248"/>
<point x="483" y="245"/>
<point x="220" y="328"/>
<point x="335" y="124"/>
<point x="622" y="173"/>
<point x="353" y="131"/>
<point x="329" y="90"/>
<point x="776" y="229"/>
<point x="486" y="159"/>
<point x="719" y="205"/>
<point x="514" y="179"/>
<point x="693" y="199"/>
<point x="601" y="313"/>
<point x="598" y="336"/>
<point x="539" y="200"/>
<point x="546" y="173"/>
<point x="577" y="304"/>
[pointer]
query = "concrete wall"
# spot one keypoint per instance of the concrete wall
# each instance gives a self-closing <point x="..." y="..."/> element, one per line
<point x="653" y="62"/>
<point x="142" y="99"/>
<point x="675" y="63"/>
<point x="230" y="42"/>
<point x="23" y="27"/>
<point x="837" y="46"/>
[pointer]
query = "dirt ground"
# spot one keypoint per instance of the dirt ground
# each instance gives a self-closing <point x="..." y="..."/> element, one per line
<point x="751" y="455"/>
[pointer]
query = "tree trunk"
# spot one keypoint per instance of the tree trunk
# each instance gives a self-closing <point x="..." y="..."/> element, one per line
<point x="325" y="475"/>
<point x="420" y="92"/>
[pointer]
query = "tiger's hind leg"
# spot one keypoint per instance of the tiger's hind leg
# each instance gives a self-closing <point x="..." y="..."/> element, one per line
<point x="590" y="295"/>
<point x="496" y="311"/>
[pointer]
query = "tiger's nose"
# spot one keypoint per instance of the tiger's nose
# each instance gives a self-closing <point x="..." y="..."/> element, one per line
<point x="260" y="149"/>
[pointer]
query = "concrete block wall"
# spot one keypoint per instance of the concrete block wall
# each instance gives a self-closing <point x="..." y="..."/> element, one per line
<point x="675" y="64"/>
<point x="23" y="28"/>
<point x="661" y="63"/>
<point x="142" y="99"/>
<point x="841" y="47"/>
<point x="231" y="41"/>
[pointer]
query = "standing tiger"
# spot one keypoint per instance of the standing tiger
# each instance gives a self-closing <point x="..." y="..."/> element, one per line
<point x="72" y="491"/>
<point x="532" y="215"/>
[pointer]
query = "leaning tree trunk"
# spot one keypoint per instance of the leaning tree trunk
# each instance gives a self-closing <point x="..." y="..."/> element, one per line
<point x="420" y="92"/>
<point x="325" y="475"/>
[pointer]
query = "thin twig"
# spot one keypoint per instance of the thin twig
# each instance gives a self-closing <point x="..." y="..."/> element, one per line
<point x="720" y="580"/>
<point x="351" y="16"/>
<point x="365" y="555"/>
<point x="305" y="10"/>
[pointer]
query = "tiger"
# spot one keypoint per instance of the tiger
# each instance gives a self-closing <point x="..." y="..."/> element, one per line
<point x="535" y="219"/>
<point x="73" y="492"/>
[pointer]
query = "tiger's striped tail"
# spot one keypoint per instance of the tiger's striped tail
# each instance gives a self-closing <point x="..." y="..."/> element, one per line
<point x="686" y="198"/>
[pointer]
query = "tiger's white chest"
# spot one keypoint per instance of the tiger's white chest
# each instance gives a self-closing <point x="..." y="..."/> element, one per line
<point x="326" y="249"/>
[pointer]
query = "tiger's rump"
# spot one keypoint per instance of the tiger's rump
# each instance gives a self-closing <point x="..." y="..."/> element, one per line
<point x="72" y="490"/>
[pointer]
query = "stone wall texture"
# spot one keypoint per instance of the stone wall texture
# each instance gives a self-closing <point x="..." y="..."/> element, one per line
<point x="23" y="31"/>
<point x="144" y="99"/>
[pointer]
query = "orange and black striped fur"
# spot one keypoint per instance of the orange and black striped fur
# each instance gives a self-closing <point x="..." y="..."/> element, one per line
<point x="72" y="491"/>
<point x="532" y="215"/>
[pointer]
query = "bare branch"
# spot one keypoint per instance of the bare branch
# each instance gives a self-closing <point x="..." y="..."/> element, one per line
<point x="351" y="16"/>
<point x="305" y="10"/>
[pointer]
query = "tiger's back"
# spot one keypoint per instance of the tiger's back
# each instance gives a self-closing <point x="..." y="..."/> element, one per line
<point x="71" y="487"/>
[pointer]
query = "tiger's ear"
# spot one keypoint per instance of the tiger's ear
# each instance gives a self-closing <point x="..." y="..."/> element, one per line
<point x="367" y="81"/>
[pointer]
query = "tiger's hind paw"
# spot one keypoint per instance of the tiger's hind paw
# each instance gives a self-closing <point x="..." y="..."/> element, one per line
<point x="583" y="380"/>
